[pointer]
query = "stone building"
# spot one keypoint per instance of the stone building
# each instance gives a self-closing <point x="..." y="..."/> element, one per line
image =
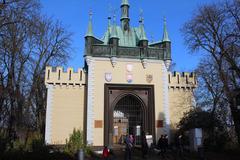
<point x="124" y="88"/>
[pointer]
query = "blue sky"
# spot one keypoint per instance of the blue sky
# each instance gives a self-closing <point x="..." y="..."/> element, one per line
<point x="74" y="16"/>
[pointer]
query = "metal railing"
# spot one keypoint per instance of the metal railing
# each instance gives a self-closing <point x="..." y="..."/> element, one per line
<point x="127" y="52"/>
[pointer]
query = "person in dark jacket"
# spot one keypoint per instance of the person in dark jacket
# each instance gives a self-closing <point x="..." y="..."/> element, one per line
<point x="144" y="145"/>
<point x="165" y="143"/>
<point x="128" y="148"/>
<point x="160" y="145"/>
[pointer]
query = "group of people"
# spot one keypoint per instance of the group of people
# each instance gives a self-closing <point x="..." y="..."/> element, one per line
<point x="129" y="144"/>
<point x="162" y="145"/>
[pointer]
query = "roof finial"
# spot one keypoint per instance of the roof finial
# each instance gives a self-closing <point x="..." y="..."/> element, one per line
<point x="141" y="13"/>
<point x="90" y="30"/>
<point x="165" y="33"/>
<point x="125" y="2"/>
<point x="142" y="31"/>
<point x="109" y="25"/>
<point x="151" y="38"/>
<point x="109" y="21"/>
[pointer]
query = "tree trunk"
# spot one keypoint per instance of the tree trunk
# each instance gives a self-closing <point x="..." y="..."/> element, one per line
<point x="236" y="119"/>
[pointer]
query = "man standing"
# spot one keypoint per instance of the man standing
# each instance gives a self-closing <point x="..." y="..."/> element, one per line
<point x="128" y="148"/>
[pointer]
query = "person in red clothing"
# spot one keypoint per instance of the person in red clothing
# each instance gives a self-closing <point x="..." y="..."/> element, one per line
<point x="105" y="153"/>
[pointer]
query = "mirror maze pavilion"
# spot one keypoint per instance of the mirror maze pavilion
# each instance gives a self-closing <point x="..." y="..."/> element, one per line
<point x="125" y="87"/>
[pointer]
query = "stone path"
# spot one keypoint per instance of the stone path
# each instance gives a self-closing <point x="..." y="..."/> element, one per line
<point x="137" y="155"/>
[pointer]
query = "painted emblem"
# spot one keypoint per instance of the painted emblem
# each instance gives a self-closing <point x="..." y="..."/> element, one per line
<point x="108" y="77"/>
<point x="129" y="67"/>
<point x="129" y="78"/>
<point x="149" y="78"/>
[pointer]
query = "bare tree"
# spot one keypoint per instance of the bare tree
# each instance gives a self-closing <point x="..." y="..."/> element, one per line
<point x="209" y="93"/>
<point x="29" y="42"/>
<point x="214" y="29"/>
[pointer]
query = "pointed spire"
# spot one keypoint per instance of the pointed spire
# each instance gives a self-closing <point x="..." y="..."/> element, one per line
<point x="114" y="28"/>
<point x="90" y="30"/>
<point x="165" y="33"/>
<point x="109" y="28"/>
<point x="141" y="23"/>
<point x="109" y="24"/>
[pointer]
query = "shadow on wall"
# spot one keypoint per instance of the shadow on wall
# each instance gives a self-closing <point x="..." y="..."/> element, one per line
<point x="165" y="129"/>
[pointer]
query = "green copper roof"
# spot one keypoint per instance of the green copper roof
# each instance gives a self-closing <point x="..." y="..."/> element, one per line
<point x="114" y="33"/>
<point x="129" y="38"/>
<point x="90" y="30"/>
<point x="125" y="2"/>
<point x="165" y="33"/>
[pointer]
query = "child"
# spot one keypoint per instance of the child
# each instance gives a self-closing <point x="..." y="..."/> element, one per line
<point x="105" y="153"/>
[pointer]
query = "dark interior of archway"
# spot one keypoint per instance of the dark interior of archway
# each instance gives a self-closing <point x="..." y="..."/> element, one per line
<point x="128" y="114"/>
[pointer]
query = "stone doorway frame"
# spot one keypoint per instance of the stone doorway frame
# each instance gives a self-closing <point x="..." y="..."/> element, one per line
<point x="114" y="92"/>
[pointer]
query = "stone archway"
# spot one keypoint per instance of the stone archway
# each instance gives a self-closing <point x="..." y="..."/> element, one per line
<point x="128" y="118"/>
<point x="117" y="98"/>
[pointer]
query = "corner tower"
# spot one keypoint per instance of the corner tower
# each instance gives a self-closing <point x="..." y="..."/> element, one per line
<point x="167" y="45"/>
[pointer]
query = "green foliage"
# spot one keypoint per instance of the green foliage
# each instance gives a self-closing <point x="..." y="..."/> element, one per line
<point x="215" y="135"/>
<point x="28" y="149"/>
<point x="197" y="118"/>
<point x="76" y="142"/>
<point x="33" y="142"/>
<point x="17" y="145"/>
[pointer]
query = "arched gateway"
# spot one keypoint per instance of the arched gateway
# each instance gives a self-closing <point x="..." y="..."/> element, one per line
<point x="128" y="118"/>
<point x="129" y="109"/>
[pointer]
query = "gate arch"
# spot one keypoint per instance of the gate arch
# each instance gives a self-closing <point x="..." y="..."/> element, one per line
<point x="143" y="95"/>
<point x="129" y="112"/>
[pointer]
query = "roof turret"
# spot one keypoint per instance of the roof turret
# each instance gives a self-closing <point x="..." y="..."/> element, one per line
<point x="165" y="32"/>
<point x="142" y="31"/>
<point x="89" y="29"/>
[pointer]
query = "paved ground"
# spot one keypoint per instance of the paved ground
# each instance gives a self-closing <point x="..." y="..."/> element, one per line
<point x="137" y="155"/>
<point x="173" y="155"/>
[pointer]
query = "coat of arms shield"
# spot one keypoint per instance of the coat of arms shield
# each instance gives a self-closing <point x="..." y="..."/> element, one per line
<point x="108" y="77"/>
<point x="149" y="78"/>
<point x="129" y="78"/>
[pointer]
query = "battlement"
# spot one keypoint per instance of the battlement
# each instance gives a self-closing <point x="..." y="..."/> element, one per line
<point x="182" y="80"/>
<point x="57" y="76"/>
